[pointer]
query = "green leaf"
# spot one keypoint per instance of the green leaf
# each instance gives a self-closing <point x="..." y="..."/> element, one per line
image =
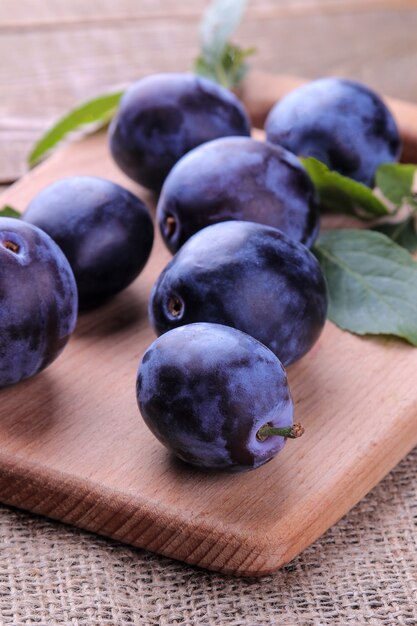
<point x="219" y="21"/>
<point x="403" y="233"/>
<point x="9" y="211"/>
<point x="220" y="60"/>
<point x="395" y="181"/>
<point x="234" y="63"/>
<point x="372" y="283"/>
<point x="341" y="194"/>
<point x="97" y="111"/>
<point x="231" y="68"/>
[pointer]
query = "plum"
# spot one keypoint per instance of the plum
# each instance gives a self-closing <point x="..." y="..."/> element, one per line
<point x="163" y="116"/>
<point x="340" y="122"/>
<point x="38" y="301"/>
<point x="105" y="231"/>
<point x="249" y="276"/>
<point x="237" y="178"/>
<point x="214" y="396"/>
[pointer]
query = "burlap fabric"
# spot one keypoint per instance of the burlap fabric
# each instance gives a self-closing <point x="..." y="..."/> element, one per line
<point x="362" y="571"/>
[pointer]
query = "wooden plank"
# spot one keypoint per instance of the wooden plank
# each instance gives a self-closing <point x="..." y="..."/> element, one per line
<point x="78" y="49"/>
<point x="56" y="14"/>
<point x="73" y="446"/>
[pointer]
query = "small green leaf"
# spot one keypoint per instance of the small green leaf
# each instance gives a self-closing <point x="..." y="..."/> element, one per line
<point x="97" y="111"/>
<point x="220" y="60"/>
<point x="403" y="233"/>
<point x="219" y="21"/>
<point x="9" y="211"/>
<point x="234" y="63"/>
<point x="395" y="181"/>
<point x="230" y="69"/>
<point x="372" y="283"/>
<point x="341" y="194"/>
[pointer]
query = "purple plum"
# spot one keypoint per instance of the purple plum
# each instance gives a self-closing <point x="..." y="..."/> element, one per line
<point x="214" y="395"/>
<point x="341" y="122"/>
<point x="237" y="178"/>
<point x="105" y="231"/>
<point x="162" y="117"/>
<point x="38" y="301"/>
<point x="249" y="276"/>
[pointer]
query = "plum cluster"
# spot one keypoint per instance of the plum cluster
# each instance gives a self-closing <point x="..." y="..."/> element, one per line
<point x="243" y="296"/>
<point x="80" y="241"/>
<point x="240" y="215"/>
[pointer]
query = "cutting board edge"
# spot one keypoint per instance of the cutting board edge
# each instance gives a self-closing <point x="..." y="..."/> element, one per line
<point x="80" y="502"/>
<point x="394" y="446"/>
<point x="146" y="525"/>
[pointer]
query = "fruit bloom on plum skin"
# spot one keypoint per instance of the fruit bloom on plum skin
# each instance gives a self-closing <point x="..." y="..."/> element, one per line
<point x="105" y="232"/>
<point x="340" y="122"/>
<point x="248" y="276"/>
<point x="205" y="390"/>
<point x="38" y="301"/>
<point x="237" y="178"/>
<point x="163" y="116"/>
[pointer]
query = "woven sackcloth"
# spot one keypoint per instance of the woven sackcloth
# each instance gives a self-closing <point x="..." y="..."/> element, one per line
<point x="362" y="571"/>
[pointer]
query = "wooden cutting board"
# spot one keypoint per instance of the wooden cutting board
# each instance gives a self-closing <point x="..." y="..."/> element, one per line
<point x="73" y="445"/>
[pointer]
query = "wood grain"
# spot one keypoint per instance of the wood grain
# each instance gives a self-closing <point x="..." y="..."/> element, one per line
<point x="59" y="53"/>
<point x="73" y="446"/>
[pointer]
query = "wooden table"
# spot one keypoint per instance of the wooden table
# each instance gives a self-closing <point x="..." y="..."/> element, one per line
<point x="56" y="53"/>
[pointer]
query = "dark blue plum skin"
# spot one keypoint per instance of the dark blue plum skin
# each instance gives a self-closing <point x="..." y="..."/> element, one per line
<point x="237" y="178"/>
<point x="105" y="232"/>
<point x="248" y="276"/>
<point x="340" y="122"/>
<point x="204" y="390"/>
<point x="38" y="301"/>
<point x="162" y="117"/>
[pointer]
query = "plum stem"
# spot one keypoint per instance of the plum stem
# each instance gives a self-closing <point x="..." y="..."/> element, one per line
<point x="289" y="432"/>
